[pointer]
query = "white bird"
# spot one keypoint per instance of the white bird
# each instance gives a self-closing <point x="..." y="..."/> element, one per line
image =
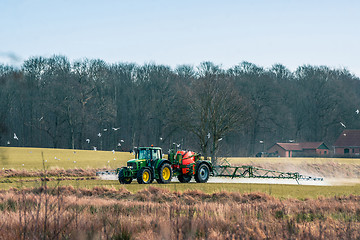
<point x="121" y="140"/>
<point x="8" y="142"/>
<point x="99" y="134"/>
<point x="15" y="137"/>
<point x="41" y="119"/>
<point x="219" y="139"/>
<point x="113" y="151"/>
<point x="357" y="111"/>
<point x="119" y="144"/>
<point x="105" y="129"/>
<point x="208" y="135"/>
<point x="161" y="139"/>
<point x="115" y="129"/>
<point x="178" y="145"/>
<point x="342" y="124"/>
<point x="87" y="140"/>
<point x="94" y="148"/>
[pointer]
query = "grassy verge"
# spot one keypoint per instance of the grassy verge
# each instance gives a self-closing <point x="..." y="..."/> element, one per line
<point x="276" y="190"/>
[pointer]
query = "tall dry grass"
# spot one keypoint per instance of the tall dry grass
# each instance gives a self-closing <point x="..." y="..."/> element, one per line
<point x="154" y="213"/>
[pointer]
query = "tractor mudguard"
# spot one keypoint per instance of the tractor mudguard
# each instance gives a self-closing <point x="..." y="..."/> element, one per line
<point x="161" y="162"/>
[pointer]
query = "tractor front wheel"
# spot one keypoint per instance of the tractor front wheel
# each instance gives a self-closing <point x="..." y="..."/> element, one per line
<point x="165" y="173"/>
<point x="122" y="179"/>
<point x="184" y="178"/>
<point x="144" y="176"/>
<point x="202" y="174"/>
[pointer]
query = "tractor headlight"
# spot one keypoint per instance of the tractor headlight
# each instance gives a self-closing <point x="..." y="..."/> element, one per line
<point x="130" y="167"/>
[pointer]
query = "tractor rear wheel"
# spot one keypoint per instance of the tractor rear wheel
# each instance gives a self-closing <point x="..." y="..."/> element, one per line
<point x="184" y="178"/>
<point x="202" y="173"/>
<point x="144" y="176"/>
<point x="165" y="173"/>
<point x="122" y="179"/>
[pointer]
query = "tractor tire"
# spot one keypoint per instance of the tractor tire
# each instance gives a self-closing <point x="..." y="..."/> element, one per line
<point x="202" y="173"/>
<point x="184" y="178"/>
<point x="144" y="176"/>
<point x="122" y="179"/>
<point x="165" y="173"/>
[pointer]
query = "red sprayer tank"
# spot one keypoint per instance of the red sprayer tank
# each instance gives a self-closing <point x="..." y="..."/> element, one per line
<point x="188" y="157"/>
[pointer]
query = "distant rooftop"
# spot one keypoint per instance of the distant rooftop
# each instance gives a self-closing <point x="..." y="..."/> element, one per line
<point x="300" y="146"/>
<point x="348" y="138"/>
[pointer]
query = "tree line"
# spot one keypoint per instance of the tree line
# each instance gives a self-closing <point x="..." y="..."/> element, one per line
<point x="239" y="111"/>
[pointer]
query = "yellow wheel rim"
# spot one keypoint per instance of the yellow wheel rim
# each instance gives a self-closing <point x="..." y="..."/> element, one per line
<point x="146" y="176"/>
<point x="166" y="173"/>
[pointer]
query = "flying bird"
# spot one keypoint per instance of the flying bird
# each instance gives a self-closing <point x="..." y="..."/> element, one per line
<point x="342" y="124"/>
<point x="99" y="134"/>
<point x="115" y="129"/>
<point x="15" y="137"/>
<point x="161" y="139"/>
<point x="41" y="119"/>
<point x="219" y="139"/>
<point x="119" y="144"/>
<point x="105" y="129"/>
<point x="357" y="111"/>
<point x="87" y="140"/>
<point x="8" y="142"/>
<point x="121" y="140"/>
<point x="178" y="145"/>
<point x="208" y="135"/>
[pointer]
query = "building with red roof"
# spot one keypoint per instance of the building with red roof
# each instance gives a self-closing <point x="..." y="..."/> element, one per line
<point x="299" y="149"/>
<point x="348" y="143"/>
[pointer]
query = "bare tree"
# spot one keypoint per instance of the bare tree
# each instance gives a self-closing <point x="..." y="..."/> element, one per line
<point x="215" y="108"/>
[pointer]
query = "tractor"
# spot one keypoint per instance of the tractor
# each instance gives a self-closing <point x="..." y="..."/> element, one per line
<point x="149" y="165"/>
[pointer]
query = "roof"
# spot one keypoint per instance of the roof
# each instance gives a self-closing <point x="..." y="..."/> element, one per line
<point x="348" y="138"/>
<point x="300" y="146"/>
<point x="290" y="146"/>
<point x="311" y="145"/>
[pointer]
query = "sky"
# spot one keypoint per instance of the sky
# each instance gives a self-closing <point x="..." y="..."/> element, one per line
<point x="169" y="32"/>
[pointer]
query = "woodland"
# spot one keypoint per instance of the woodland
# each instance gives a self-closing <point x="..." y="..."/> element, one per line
<point x="239" y="111"/>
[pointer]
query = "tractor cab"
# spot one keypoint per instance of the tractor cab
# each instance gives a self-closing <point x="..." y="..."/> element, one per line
<point x="148" y="153"/>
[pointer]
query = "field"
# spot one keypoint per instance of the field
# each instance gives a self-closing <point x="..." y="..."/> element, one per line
<point x="54" y="194"/>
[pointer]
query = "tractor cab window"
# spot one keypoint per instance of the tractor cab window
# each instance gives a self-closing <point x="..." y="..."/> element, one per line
<point x="155" y="154"/>
<point x="144" y="154"/>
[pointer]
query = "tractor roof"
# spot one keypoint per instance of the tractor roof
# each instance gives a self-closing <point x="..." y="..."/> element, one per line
<point x="157" y="148"/>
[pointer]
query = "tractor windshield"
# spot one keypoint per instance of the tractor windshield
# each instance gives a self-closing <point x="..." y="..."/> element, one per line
<point x="144" y="154"/>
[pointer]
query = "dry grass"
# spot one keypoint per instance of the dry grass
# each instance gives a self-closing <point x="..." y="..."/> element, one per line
<point x="153" y="213"/>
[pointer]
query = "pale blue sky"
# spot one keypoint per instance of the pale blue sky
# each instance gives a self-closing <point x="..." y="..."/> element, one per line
<point x="168" y="32"/>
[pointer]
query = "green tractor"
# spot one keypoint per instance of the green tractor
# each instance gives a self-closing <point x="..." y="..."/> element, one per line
<point x="149" y="165"/>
